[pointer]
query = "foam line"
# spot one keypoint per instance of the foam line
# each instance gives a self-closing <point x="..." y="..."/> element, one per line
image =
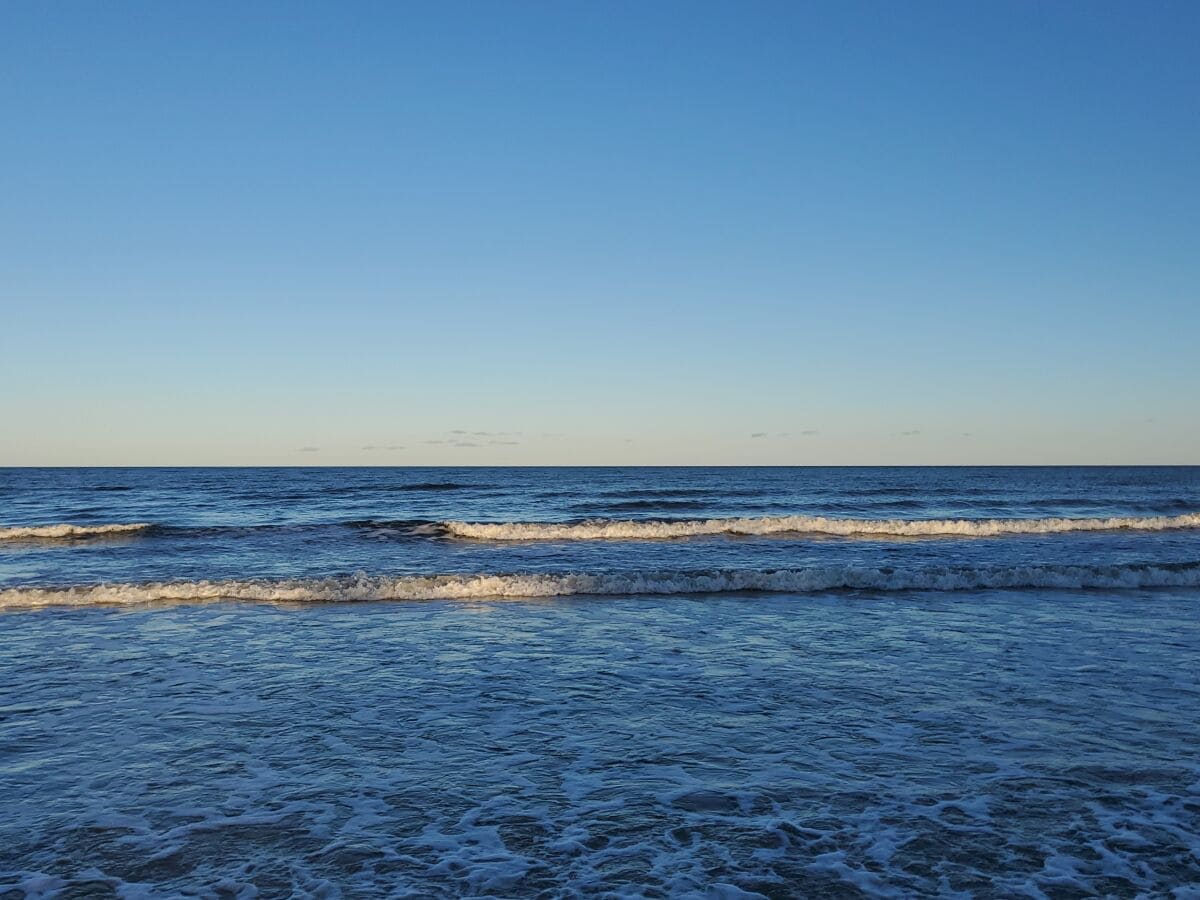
<point x="64" y="530"/>
<point x="608" y="529"/>
<point x="498" y="586"/>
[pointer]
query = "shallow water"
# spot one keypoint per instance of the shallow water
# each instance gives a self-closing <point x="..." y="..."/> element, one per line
<point x="886" y="714"/>
<point x="1001" y="744"/>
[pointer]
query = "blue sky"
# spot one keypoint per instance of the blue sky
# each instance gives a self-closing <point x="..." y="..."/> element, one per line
<point x="477" y="233"/>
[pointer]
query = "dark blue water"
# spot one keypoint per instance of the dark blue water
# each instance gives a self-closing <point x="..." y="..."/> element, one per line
<point x="241" y="524"/>
<point x="619" y="682"/>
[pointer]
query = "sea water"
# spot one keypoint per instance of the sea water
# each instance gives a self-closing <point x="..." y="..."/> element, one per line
<point x="617" y="682"/>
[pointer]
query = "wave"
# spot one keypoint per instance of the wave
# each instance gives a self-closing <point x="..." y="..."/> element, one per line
<point x="620" y="529"/>
<point x="414" y="527"/>
<point x="65" y="530"/>
<point x="532" y="585"/>
<point x="604" y="529"/>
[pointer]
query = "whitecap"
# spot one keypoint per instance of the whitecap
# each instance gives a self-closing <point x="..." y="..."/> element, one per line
<point x="611" y="529"/>
<point x="359" y="588"/>
<point x="66" y="530"/>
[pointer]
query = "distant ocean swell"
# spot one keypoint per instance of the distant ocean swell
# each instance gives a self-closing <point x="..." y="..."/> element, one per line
<point x="532" y="585"/>
<point x="632" y="530"/>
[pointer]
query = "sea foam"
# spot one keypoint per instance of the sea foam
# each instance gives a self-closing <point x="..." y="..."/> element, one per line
<point x="66" y="530"/>
<point x="532" y="585"/>
<point x="609" y="529"/>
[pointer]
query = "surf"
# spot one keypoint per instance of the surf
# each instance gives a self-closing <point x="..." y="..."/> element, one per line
<point x="65" y="530"/>
<point x="498" y="586"/>
<point x="627" y="530"/>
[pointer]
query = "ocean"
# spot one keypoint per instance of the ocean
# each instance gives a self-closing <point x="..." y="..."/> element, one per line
<point x="619" y="682"/>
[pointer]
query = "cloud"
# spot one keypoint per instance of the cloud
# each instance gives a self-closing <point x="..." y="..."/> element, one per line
<point x="308" y="449"/>
<point x="810" y="431"/>
<point x="465" y="444"/>
<point x="506" y="443"/>
<point x="458" y="431"/>
<point x="369" y="447"/>
<point x="759" y="434"/>
<point x="910" y="433"/>
<point x="968" y="434"/>
<point x="433" y="442"/>
<point x="395" y="447"/>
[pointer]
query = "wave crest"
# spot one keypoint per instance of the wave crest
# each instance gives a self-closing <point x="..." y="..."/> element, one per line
<point x="606" y="529"/>
<point x="532" y="585"/>
<point x="66" y="530"/>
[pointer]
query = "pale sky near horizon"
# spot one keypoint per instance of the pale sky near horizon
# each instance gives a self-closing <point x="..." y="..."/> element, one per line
<point x="599" y="233"/>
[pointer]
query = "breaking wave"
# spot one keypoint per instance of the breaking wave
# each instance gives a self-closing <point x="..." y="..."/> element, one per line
<point x="605" y="529"/>
<point x="64" y="530"/>
<point x="499" y="586"/>
<point x="628" y="530"/>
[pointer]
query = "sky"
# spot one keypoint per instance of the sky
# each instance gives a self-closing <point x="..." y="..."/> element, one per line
<point x="445" y="233"/>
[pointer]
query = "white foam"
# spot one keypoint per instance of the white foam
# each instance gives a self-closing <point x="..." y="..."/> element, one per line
<point x="609" y="529"/>
<point x="499" y="586"/>
<point x="66" y="530"/>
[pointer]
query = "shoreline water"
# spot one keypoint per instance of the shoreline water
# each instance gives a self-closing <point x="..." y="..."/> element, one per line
<point x="911" y="743"/>
<point x="881" y="714"/>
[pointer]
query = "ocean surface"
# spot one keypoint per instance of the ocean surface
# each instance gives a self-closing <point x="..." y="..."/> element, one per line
<point x="676" y="682"/>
